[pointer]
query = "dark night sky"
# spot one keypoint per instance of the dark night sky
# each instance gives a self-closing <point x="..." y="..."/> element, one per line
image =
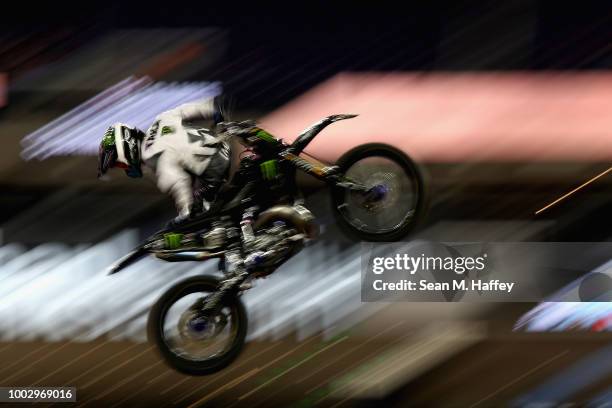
<point x="337" y="28"/>
<point x="316" y="39"/>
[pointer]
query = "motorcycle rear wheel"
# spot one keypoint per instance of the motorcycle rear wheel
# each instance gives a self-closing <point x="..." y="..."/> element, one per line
<point x="398" y="185"/>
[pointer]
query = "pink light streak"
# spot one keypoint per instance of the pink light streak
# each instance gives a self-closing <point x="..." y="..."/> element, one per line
<point x="3" y="89"/>
<point x="459" y="117"/>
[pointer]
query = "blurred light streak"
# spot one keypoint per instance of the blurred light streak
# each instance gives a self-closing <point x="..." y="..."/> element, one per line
<point x="522" y="377"/>
<point x="601" y="400"/>
<point x="3" y="89"/>
<point x="564" y="310"/>
<point x="562" y="386"/>
<point x="96" y="62"/>
<point x="338" y="357"/>
<point x="225" y="387"/>
<point x="586" y="183"/>
<point x="173" y="60"/>
<point x="457" y="117"/>
<point x="82" y="303"/>
<point x="136" y="101"/>
<point x="221" y="376"/>
<point x="407" y="358"/>
<point x="293" y="367"/>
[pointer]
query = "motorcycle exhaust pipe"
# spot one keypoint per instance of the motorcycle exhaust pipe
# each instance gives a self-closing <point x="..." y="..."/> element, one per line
<point x="299" y="216"/>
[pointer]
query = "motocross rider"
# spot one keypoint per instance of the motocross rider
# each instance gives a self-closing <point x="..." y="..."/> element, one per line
<point x="190" y="163"/>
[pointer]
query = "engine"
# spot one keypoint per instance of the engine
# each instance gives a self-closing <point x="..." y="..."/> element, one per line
<point x="280" y="233"/>
<point x="276" y="235"/>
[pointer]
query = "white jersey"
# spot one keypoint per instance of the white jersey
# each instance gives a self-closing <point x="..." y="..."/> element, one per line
<point x="177" y="152"/>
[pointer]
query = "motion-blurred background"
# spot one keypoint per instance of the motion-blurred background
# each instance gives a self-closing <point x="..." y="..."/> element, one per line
<point x="505" y="105"/>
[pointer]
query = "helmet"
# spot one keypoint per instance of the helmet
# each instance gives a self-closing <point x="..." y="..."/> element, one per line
<point x="120" y="147"/>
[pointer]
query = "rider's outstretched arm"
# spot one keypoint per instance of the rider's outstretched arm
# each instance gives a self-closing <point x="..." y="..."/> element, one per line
<point x="173" y="179"/>
<point x="205" y="109"/>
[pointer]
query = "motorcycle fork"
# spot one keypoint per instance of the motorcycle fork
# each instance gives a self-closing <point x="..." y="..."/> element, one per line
<point x="237" y="271"/>
<point x="228" y="287"/>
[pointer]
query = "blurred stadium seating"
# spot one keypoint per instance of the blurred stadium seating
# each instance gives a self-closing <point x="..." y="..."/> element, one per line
<point x="505" y="107"/>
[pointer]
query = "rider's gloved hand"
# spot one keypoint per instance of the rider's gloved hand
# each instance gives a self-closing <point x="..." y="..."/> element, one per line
<point x="196" y="208"/>
<point x="177" y="221"/>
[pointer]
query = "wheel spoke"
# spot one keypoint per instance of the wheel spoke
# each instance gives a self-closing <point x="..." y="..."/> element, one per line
<point x="383" y="210"/>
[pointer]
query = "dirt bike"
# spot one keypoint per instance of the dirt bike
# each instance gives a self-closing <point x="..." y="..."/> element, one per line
<point x="199" y="325"/>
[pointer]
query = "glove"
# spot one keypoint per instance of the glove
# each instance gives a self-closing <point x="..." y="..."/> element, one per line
<point x="196" y="208"/>
<point x="177" y="221"/>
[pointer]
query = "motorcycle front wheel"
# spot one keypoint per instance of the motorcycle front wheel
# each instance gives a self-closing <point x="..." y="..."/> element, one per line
<point x="392" y="198"/>
<point x="189" y="343"/>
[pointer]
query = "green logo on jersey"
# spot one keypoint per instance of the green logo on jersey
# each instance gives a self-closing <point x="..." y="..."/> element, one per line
<point x="167" y="130"/>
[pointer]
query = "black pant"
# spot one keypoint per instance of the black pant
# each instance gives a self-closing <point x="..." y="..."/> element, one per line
<point x="207" y="185"/>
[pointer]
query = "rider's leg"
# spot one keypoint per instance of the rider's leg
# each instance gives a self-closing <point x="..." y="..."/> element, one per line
<point x="207" y="185"/>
